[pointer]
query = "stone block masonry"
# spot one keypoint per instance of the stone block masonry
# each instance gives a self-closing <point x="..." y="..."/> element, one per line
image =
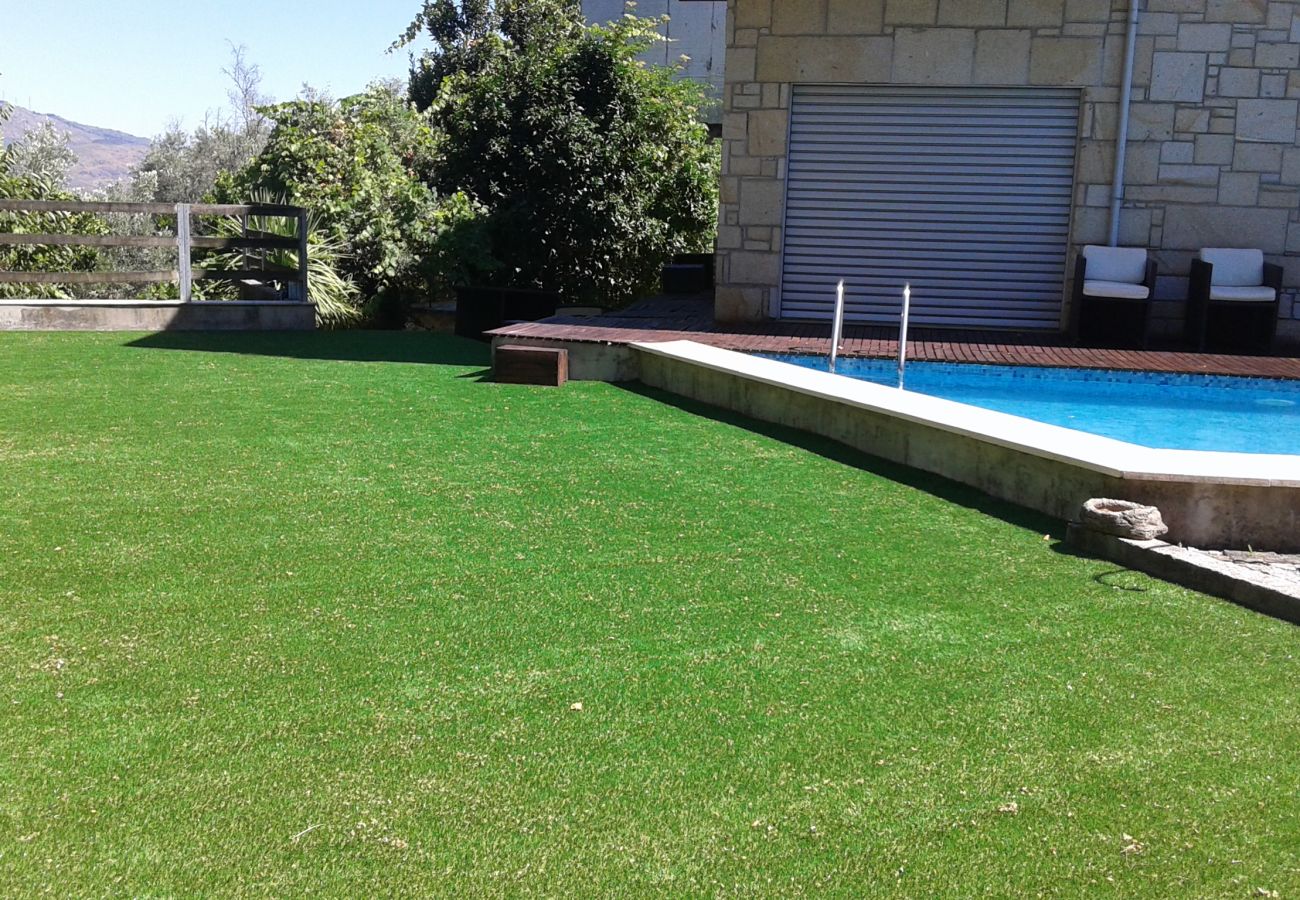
<point x="1213" y="153"/>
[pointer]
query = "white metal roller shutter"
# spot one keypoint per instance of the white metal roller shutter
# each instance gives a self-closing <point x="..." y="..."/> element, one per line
<point x="964" y="192"/>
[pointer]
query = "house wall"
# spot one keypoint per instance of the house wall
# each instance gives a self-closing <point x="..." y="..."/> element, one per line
<point x="1212" y="159"/>
<point x="696" y="30"/>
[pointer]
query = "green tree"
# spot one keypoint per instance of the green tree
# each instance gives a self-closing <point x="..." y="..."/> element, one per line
<point x="468" y="35"/>
<point x="183" y="166"/>
<point x="594" y="167"/>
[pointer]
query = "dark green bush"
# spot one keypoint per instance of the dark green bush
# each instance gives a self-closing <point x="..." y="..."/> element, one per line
<point x="594" y="168"/>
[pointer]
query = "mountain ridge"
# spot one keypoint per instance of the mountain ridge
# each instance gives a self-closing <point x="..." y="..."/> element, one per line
<point x="104" y="155"/>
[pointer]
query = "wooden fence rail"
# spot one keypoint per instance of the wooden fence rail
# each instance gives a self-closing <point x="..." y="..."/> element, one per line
<point x="157" y="209"/>
<point x="184" y="242"/>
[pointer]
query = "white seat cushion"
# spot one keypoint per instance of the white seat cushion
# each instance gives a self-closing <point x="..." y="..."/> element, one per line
<point x="1116" y="290"/>
<point x="1235" y="268"/>
<point x="1247" y="294"/>
<point x="1125" y="264"/>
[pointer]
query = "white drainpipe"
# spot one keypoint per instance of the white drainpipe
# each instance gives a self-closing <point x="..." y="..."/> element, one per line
<point x="1125" y="103"/>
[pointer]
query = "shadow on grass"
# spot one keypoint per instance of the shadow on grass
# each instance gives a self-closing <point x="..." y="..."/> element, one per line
<point x="1112" y="579"/>
<point x="347" y="346"/>
<point x="935" y="485"/>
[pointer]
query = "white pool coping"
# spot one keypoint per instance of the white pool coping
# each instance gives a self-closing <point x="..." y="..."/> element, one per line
<point x="1093" y="452"/>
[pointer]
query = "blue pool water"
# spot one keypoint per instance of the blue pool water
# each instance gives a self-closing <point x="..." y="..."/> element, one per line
<point x="1177" y="412"/>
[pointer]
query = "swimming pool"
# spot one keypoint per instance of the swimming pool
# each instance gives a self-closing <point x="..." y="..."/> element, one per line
<point x="1166" y="411"/>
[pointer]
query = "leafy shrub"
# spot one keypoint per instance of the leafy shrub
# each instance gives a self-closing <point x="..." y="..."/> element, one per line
<point x="361" y="165"/>
<point x="594" y="168"/>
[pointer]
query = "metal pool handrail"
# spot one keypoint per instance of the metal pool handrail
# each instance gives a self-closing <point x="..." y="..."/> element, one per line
<point x="837" y="327"/>
<point x="902" y="334"/>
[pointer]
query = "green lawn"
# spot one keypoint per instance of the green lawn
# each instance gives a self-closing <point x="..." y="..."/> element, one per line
<point x="311" y="614"/>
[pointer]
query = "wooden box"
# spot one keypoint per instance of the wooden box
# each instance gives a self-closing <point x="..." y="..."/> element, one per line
<point x="521" y="364"/>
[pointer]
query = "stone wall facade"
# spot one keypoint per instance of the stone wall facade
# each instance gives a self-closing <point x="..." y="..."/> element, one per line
<point x="1213" y="158"/>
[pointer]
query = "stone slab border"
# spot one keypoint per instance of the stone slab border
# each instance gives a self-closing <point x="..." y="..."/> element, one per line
<point x="1193" y="569"/>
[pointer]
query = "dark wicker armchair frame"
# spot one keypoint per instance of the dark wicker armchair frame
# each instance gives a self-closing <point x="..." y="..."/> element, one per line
<point x="1093" y="315"/>
<point x="1200" y="307"/>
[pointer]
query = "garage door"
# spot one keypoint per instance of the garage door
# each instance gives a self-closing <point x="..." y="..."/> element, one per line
<point x="964" y="192"/>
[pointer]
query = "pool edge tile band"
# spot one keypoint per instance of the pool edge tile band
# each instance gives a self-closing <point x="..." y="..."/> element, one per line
<point x="1157" y="410"/>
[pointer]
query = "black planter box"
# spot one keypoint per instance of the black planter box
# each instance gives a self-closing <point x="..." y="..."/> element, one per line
<point x="480" y="309"/>
<point x="689" y="273"/>
<point x="707" y="260"/>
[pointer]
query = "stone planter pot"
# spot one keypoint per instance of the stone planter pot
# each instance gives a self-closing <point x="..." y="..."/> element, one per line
<point x="1123" y="518"/>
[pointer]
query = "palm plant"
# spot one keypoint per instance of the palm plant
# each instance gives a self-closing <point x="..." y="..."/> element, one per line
<point x="336" y="297"/>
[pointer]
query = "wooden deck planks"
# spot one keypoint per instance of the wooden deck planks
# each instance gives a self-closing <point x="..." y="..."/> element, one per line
<point x="677" y="318"/>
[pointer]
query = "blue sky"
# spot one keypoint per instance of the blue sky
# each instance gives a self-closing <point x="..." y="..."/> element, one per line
<point x="135" y="65"/>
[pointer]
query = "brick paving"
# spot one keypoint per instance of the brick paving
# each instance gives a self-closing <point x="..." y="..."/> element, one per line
<point x="691" y="318"/>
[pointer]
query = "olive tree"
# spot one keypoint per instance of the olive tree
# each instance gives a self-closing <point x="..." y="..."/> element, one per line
<point x="34" y="169"/>
<point x="41" y="153"/>
<point x="181" y="166"/>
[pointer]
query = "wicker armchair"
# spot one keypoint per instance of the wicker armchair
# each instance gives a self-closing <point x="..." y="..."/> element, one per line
<point x="1113" y="287"/>
<point x="1232" y="294"/>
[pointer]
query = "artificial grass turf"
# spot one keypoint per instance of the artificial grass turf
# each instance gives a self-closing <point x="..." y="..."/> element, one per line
<point x="310" y="613"/>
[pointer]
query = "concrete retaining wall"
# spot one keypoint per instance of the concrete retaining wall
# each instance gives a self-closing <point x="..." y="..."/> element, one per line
<point x="117" y="315"/>
<point x="1230" y="510"/>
